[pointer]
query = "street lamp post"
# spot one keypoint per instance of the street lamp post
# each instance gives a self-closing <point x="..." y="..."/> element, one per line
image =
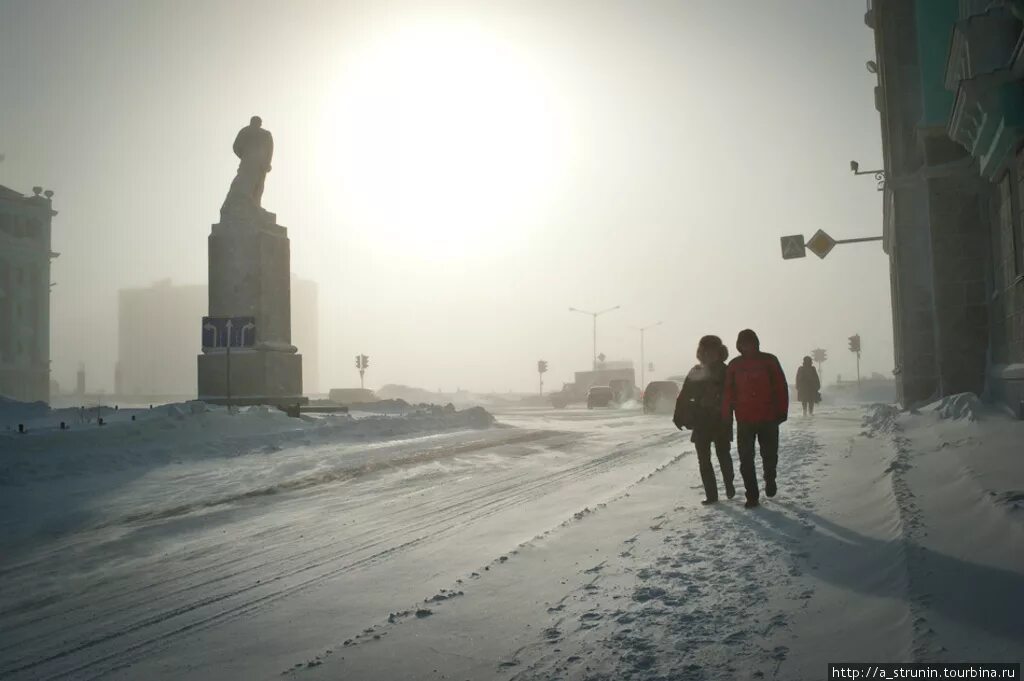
<point x="643" y="365"/>
<point x="595" y="315"/>
<point x="879" y="174"/>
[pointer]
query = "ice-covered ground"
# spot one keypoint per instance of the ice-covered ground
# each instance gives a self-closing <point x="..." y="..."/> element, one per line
<point x="559" y="545"/>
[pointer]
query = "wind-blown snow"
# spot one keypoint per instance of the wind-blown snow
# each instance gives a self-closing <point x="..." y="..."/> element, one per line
<point x="569" y="544"/>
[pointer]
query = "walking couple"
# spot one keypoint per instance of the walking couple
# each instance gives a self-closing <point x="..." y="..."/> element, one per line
<point x="753" y="387"/>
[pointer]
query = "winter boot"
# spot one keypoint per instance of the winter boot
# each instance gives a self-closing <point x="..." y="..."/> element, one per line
<point x="709" y="501"/>
<point x="730" y="490"/>
<point x="770" y="489"/>
<point x="751" y="503"/>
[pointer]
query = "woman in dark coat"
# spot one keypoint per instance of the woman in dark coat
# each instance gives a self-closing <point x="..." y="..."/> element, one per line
<point x="807" y="385"/>
<point x="699" y="409"/>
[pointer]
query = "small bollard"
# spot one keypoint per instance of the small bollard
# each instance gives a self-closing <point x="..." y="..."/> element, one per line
<point x="99" y="421"/>
<point x="63" y="426"/>
<point x="21" y="427"/>
<point x="133" y="417"/>
<point x="116" y="408"/>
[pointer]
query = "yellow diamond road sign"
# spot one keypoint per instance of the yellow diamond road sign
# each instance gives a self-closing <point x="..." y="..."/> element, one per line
<point x="821" y="244"/>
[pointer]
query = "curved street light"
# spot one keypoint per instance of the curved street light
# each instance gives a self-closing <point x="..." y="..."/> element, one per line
<point x="879" y="174"/>
<point x="595" y="315"/>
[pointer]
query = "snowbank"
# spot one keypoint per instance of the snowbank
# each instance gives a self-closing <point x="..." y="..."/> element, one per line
<point x="957" y="474"/>
<point x="193" y="431"/>
<point x="13" y="412"/>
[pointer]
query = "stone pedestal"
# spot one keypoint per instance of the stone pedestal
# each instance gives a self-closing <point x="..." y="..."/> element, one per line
<point x="257" y="377"/>
<point x="249" y="274"/>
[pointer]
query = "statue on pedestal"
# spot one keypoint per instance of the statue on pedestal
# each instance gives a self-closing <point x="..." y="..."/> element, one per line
<point x="254" y="146"/>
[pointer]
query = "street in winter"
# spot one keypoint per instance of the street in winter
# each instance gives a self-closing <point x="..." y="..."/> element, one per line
<point x="530" y="341"/>
<point x="548" y="544"/>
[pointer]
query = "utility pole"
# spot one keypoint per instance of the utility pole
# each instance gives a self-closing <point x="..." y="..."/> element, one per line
<point x="542" y="368"/>
<point x="595" y="315"/>
<point x="643" y="365"/>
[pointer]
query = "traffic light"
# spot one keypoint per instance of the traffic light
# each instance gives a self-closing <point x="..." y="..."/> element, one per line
<point x="366" y="361"/>
<point x="855" y="343"/>
<point x="819" y="355"/>
<point x="359" y="364"/>
<point x="542" y="366"/>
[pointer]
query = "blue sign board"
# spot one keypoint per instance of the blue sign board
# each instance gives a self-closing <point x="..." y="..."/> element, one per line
<point x="223" y="332"/>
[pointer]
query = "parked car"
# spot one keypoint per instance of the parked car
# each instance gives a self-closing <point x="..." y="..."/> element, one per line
<point x="599" y="396"/>
<point x="660" y="397"/>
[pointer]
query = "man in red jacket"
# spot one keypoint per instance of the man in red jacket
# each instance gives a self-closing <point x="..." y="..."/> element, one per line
<point x="756" y="390"/>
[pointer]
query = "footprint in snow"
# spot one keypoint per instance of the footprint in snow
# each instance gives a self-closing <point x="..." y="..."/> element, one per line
<point x="647" y="593"/>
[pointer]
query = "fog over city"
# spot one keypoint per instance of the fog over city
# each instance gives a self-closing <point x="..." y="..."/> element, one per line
<point x="511" y="340"/>
<point x="454" y="176"/>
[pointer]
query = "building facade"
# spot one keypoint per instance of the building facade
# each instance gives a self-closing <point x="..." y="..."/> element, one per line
<point x="159" y="336"/>
<point x="25" y="255"/>
<point x="950" y="96"/>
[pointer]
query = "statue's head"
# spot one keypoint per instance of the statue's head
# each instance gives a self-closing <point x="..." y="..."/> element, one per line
<point x="256" y="121"/>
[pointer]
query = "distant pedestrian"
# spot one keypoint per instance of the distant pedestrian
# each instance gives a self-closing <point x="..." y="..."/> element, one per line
<point x="699" y="409"/>
<point x="756" y="390"/>
<point x="808" y="386"/>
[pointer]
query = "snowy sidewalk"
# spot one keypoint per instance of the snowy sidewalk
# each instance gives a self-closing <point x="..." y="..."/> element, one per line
<point x="899" y="540"/>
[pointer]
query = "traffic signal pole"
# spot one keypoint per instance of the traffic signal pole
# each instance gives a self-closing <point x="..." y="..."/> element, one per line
<point x="855" y="348"/>
<point x="362" y="362"/>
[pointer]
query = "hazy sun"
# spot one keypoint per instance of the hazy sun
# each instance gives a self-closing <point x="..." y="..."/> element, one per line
<point x="445" y="141"/>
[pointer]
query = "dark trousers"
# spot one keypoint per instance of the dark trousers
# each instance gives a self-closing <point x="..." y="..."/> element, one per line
<point x="767" y="436"/>
<point x="707" y="471"/>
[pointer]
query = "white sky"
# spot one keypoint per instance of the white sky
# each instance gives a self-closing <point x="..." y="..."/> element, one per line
<point x="456" y="175"/>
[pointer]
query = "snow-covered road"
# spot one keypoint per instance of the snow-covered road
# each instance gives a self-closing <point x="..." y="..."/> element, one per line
<point x="556" y="545"/>
<point x="233" y="568"/>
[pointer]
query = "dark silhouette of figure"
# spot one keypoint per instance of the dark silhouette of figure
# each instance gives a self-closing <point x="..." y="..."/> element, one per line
<point x="254" y="147"/>
<point x="699" y="409"/>
<point x="756" y="391"/>
<point x="807" y="385"/>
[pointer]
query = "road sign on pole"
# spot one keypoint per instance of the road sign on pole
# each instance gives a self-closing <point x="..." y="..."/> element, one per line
<point x="227" y="333"/>
<point x="821" y="244"/>
<point x="793" y="247"/>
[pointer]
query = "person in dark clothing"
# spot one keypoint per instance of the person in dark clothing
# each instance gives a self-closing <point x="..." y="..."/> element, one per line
<point x="807" y="386"/>
<point x="756" y="391"/>
<point x="698" y="408"/>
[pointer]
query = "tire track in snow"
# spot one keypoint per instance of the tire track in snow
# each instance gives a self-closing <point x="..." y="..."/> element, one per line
<point x="495" y="497"/>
